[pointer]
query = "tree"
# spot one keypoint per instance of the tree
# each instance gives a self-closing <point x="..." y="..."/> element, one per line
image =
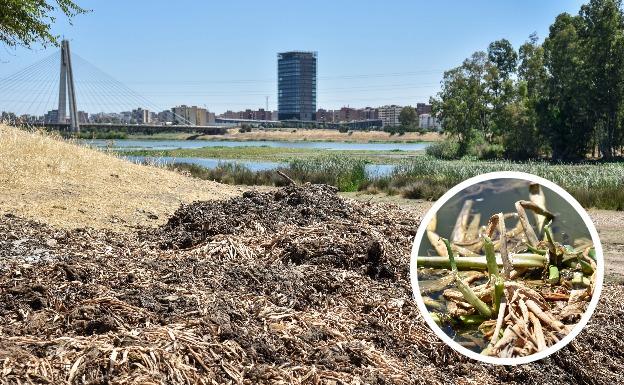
<point x="462" y="105"/>
<point x="408" y="117"/>
<point x="603" y="41"/>
<point x="504" y="57"/>
<point x="500" y="85"/>
<point x="531" y="68"/>
<point x="27" y="22"/>
<point x="522" y="137"/>
<point x="565" y="112"/>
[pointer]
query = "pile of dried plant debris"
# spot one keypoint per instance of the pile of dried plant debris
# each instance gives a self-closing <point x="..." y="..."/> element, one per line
<point x="292" y="286"/>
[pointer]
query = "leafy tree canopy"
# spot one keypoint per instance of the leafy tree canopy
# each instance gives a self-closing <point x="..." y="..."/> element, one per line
<point x="408" y="117"/>
<point x="28" y="22"/>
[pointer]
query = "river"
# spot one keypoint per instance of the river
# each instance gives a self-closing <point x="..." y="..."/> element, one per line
<point x="373" y="170"/>
<point x="132" y="144"/>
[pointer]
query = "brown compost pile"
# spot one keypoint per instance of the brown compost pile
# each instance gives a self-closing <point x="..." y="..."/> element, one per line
<point x="291" y="286"/>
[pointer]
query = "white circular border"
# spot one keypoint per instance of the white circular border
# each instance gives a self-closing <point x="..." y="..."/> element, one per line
<point x="507" y="175"/>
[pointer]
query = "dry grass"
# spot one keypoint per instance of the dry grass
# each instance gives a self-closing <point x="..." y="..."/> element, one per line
<point x="67" y="185"/>
<point x="292" y="134"/>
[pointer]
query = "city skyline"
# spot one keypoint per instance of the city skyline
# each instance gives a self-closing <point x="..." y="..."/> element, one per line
<point x="231" y="65"/>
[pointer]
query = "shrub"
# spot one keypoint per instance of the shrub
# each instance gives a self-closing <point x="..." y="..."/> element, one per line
<point x="347" y="174"/>
<point x="424" y="189"/>
<point x="490" y="151"/>
<point x="446" y="149"/>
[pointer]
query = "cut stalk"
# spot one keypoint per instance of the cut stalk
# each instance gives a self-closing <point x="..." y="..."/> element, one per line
<point x="480" y="263"/>
<point x="539" y="199"/>
<point x="466" y="291"/>
<point x="553" y="274"/>
<point x="538" y="332"/>
<point x="536" y="250"/>
<point x="472" y="298"/>
<point x="499" y="287"/>
<point x="461" y="224"/>
<point x="437" y="243"/>
<point x="507" y="267"/>
<point x="471" y="320"/>
<point x="528" y="230"/>
<point x="473" y="228"/>
<point x="579" y="280"/>
<point x="499" y="322"/>
<point x="490" y="257"/>
<point x="451" y="257"/>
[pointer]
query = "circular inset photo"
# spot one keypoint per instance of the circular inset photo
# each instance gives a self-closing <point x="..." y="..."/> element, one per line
<point x="507" y="268"/>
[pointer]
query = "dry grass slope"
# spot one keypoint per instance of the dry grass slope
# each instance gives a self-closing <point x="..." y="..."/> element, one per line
<point x="68" y="185"/>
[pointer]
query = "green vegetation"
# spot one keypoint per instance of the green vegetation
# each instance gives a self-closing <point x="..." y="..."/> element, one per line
<point x="28" y="22"/>
<point x="408" y="117"/>
<point x="103" y="135"/>
<point x="562" y="99"/>
<point x="277" y="154"/>
<point x="593" y="184"/>
<point x="599" y="185"/>
<point x="345" y="173"/>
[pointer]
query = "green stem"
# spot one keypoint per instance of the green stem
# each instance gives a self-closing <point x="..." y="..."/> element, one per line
<point x="472" y="298"/>
<point x="480" y="263"/>
<point x="490" y="257"/>
<point x="471" y="320"/>
<point x="536" y="250"/>
<point x="451" y="257"/>
<point x="553" y="274"/>
<point x="499" y="287"/>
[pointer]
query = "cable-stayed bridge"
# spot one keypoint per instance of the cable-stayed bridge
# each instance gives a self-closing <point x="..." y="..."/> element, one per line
<point x="56" y="91"/>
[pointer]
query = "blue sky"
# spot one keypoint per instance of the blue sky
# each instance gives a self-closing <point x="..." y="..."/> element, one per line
<point x="223" y="54"/>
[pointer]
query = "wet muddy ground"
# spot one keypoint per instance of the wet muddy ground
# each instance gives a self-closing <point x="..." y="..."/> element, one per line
<point x="295" y="285"/>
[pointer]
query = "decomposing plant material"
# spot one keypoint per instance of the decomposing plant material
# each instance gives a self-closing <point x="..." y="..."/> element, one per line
<point x="535" y="291"/>
<point x="292" y="286"/>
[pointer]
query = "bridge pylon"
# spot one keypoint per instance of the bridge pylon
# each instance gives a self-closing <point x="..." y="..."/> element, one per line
<point x="67" y="91"/>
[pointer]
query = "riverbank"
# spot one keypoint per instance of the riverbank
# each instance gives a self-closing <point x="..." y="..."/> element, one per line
<point x="277" y="154"/>
<point x="301" y="134"/>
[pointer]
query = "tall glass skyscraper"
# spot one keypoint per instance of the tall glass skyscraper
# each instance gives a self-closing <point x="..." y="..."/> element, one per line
<point x="296" y="85"/>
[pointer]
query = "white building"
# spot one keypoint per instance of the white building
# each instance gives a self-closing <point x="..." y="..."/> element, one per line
<point x="389" y="115"/>
<point x="428" y="122"/>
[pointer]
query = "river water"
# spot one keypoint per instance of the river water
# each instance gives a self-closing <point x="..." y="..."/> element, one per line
<point x="373" y="170"/>
<point x="132" y="144"/>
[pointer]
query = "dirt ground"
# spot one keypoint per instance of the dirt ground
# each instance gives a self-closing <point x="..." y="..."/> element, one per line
<point x="292" y="286"/>
<point x="70" y="186"/>
<point x="298" y="134"/>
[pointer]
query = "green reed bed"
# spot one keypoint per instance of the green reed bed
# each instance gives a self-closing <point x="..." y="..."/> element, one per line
<point x="347" y="174"/>
<point x="598" y="185"/>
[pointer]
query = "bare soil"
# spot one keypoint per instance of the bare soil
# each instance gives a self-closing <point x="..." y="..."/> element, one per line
<point x="295" y="285"/>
